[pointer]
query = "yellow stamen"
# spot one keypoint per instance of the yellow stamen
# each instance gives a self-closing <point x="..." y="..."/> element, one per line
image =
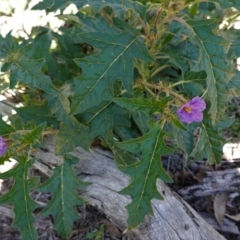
<point x="188" y="109"/>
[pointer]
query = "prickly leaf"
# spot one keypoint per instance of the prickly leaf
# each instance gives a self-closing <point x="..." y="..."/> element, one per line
<point x="144" y="173"/>
<point x="101" y="70"/>
<point x="19" y="196"/>
<point x="63" y="184"/>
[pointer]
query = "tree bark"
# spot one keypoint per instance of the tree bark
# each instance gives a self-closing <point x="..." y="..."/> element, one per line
<point x="173" y="218"/>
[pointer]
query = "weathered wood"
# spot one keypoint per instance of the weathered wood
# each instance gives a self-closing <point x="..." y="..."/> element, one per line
<point x="173" y="218"/>
<point x="214" y="182"/>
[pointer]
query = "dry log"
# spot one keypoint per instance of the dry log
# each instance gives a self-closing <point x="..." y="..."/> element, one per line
<point x="214" y="182"/>
<point x="173" y="218"/>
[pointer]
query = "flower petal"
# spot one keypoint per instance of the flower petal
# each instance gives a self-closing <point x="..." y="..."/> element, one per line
<point x="197" y="104"/>
<point x="3" y="146"/>
<point x="198" y="116"/>
<point x="186" y="117"/>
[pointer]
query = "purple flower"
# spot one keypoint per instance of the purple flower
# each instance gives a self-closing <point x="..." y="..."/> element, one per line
<point x="3" y="146"/>
<point x="192" y="111"/>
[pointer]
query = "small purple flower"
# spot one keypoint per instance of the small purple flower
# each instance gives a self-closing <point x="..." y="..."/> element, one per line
<point x="3" y="146"/>
<point x="192" y="111"/>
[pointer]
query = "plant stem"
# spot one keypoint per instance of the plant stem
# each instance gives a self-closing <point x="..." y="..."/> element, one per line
<point x="162" y="57"/>
<point x="180" y="97"/>
<point x="180" y="82"/>
<point x="148" y="89"/>
<point x="159" y="70"/>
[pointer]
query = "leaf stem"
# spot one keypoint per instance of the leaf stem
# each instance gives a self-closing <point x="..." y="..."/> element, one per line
<point x="159" y="70"/>
<point x="180" y="82"/>
<point x="150" y="91"/>
<point x="162" y="57"/>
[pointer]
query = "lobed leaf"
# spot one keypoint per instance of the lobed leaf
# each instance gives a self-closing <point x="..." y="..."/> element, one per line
<point x="34" y="136"/>
<point x="28" y="71"/>
<point x="19" y="196"/>
<point x="184" y="137"/>
<point x="212" y="60"/>
<point x="70" y="137"/>
<point x="209" y="144"/>
<point x="144" y="173"/>
<point x="58" y="72"/>
<point x="194" y="83"/>
<point x="121" y="157"/>
<point x="120" y="7"/>
<point x="7" y="44"/>
<point x="22" y="139"/>
<point x="63" y="184"/>
<point x="37" y="113"/>
<point x="60" y="106"/>
<point x="115" y="61"/>
<point x="101" y="120"/>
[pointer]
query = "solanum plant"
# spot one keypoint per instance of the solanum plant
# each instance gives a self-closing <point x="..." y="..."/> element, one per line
<point x="130" y="75"/>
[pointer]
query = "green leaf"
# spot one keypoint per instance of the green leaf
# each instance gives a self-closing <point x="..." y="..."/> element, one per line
<point x="60" y="106"/>
<point x="68" y="48"/>
<point x="34" y="136"/>
<point x="141" y="119"/>
<point x="42" y="44"/>
<point x="145" y="173"/>
<point x="37" y="113"/>
<point x="148" y="106"/>
<point x="176" y="123"/>
<point x="193" y="9"/>
<point x="233" y="36"/>
<point x="5" y="128"/>
<point x="228" y="4"/>
<point x="101" y="120"/>
<point x="101" y="70"/>
<point x="212" y="60"/>
<point x="28" y="71"/>
<point x="235" y="81"/>
<point x="125" y="133"/>
<point x="184" y="139"/>
<point x="89" y="24"/>
<point x="7" y="44"/>
<point x="225" y="122"/>
<point x="194" y="83"/>
<point x="180" y="48"/>
<point x="63" y="184"/>
<point x="209" y="144"/>
<point x="19" y="196"/>
<point x="70" y="137"/>
<point x="121" y="157"/>
<point x="119" y="6"/>
<point x="22" y="139"/>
